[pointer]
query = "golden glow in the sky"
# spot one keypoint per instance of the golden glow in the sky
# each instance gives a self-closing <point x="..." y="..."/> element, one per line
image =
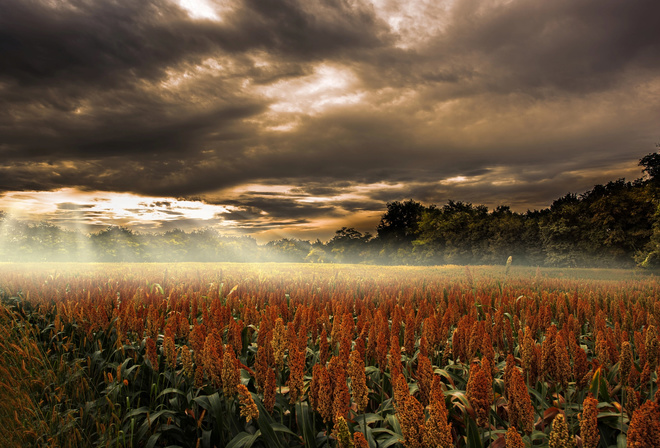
<point x="257" y="188"/>
<point x="454" y="180"/>
<point x="95" y="210"/>
<point x="301" y="115"/>
<point x="199" y="9"/>
<point x="329" y="86"/>
<point x="414" y="22"/>
<point x="106" y="208"/>
<point x="356" y="192"/>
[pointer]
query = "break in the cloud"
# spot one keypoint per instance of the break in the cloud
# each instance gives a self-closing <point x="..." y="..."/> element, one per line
<point x="293" y="118"/>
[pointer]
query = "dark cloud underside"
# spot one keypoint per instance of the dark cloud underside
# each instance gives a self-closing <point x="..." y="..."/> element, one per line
<point x="343" y="105"/>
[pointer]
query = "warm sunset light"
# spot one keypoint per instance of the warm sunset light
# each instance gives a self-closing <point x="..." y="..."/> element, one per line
<point x="200" y="9"/>
<point x="329" y="223"/>
<point x="295" y="119"/>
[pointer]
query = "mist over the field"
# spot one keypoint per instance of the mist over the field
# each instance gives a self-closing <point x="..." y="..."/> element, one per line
<point x="612" y="225"/>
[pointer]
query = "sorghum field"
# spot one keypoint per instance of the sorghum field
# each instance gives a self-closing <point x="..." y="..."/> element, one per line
<point x="274" y="355"/>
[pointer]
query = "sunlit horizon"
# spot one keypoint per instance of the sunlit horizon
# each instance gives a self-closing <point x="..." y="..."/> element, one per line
<point x="94" y="211"/>
<point x="295" y="119"/>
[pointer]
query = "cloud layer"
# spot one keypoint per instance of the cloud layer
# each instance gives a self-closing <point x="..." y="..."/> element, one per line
<point x="304" y="115"/>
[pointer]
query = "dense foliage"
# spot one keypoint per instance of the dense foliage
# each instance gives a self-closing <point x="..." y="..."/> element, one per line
<point x="612" y="225"/>
<point x="312" y="356"/>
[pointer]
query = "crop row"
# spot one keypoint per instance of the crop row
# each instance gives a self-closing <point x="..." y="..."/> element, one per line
<point x="238" y="356"/>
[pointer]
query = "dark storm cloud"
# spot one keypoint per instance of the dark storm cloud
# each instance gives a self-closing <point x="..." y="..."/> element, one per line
<point x="516" y="97"/>
<point x="73" y="207"/>
<point x="285" y="211"/>
<point x="59" y="57"/>
<point x="250" y="218"/>
<point x="541" y="49"/>
<point x="576" y="46"/>
<point x="82" y="83"/>
<point x="254" y="227"/>
<point x="87" y="42"/>
<point x="330" y="188"/>
<point x="307" y="30"/>
<point x="273" y="209"/>
<point x="132" y="135"/>
<point x="243" y="214"/>
<point x="276" y="207"/>
<point x="361" y="205"/>
<point x="83" y="41"/>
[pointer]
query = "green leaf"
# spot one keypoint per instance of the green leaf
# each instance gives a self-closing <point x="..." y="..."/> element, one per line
<point x="383" y="430"/>
<point x="265" y="423"/>
<point x="538" y="435"/>
<point x="243" y="440"/>
<point x="305" y="420"/>
<point x="203" y="402"/>
<point x="151" y="443"/>
<point x="322" y="440"/>
<point x="281" y="428"/>
<point x="621" y="441"/>
<point x="206" y="439"/>
<point x="443" y="373"/>
<point x="369" y="435"/>
<point x="394" y="423"/>
<point x="369" y="370"/>
<point x="541" y="398"/>
<point x="395" y="438"/>
<point x="216" y="409"/>
<point x="245" y="377"/>
<point x="163" y="412"/>
<point x="136" y="412"/>
<point x="371" y="418"/>
<point x="473" y="435"/>
<point x="598" y="386"/>
<point x="172" y="390"/>
<point x="614" y="423"/>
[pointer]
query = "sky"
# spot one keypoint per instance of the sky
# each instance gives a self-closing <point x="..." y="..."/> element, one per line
<point x="294" y="118"/>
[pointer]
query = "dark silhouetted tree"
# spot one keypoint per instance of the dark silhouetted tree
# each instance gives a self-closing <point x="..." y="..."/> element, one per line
<point x="349" y="245"/>
<point x="400" y="223"/>
<point x="290" y="250"/>
<point x="651" y="164"/>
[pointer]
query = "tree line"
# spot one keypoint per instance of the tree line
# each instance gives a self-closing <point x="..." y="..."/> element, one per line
<point x="611" y="225"/>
